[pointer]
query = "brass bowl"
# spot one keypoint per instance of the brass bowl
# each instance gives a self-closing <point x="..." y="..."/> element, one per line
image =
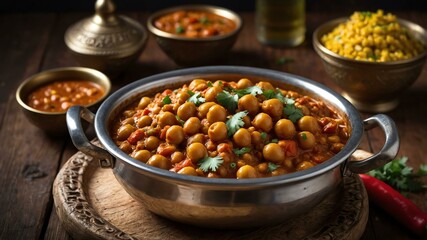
<point x="54" y="123"/>
<point x="195" y="51"/>
<point x="371" y="86"/>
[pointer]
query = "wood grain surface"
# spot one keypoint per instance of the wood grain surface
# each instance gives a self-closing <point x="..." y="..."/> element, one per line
<point x="30" y="160"/>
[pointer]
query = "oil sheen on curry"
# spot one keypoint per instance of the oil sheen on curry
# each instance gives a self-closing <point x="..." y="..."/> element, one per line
<point x="195" y="24"/>
<point x="237" y="129"/>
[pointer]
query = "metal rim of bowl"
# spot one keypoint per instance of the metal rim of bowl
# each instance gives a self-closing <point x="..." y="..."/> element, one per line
<point x="107" y="107"/>
<point x="229" y="14"/>
<point x="97" y="74"/>
<point x="328" y="26"/>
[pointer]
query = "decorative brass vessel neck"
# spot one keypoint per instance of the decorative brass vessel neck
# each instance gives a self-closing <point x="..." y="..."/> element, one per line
<point x="104" y="13"/>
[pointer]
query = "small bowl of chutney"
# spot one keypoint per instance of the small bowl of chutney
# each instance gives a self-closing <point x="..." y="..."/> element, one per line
<point x="46" y="96"/>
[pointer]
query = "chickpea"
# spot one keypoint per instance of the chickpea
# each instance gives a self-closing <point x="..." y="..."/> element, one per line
<point x="143" y="103"/>
<point x="144" y="121"/>
<point x="124" y="131"/>
<point x="273" y="152"/>
<point x="308" y="123"/>
<point x="151" y="143"/>
<point x="211" y="93"/>
<point x="175" y="135"/>
<point x="218" y="83"/>
<point x="130" y="121"/>
<point x="242" y="137"/>
<point x="159" y="161"/>
<point x="217" y="131"/>
<point x="177" y="157"/>
<point x="142" y="155"/>
<point x="263" y="122"/>
<point x="199" y="137"/>
<point x="188" y="171"/>
<point x="192" y="126"/>
<point x="247" y="122"/>
<point x="249" y="103"/>
<point x="166" y="118"/>
<point x="262" y="167"/>
<point x="306" y="140"/>
<point x="187" y="110"/>
<point x="285" y="129"/>
<point x="244" y="83"/>
<point x="126" y="147"/>
<point x="304" y="165"/>
<point x="182" y="96"/>
<point x="198" y="85"/>
<point x="256" y="137"/>
<point x="196" y="151"/>
<point x="336" y="147"/>
<point x="334" y="139"/>
<point x="265" y="85"/>
<point x="246" y="171"/>
<point x="273" y="107"/>
<point x="204" y="108"/>
<point x="279" y="171"/>
<point x="216" y="113"/>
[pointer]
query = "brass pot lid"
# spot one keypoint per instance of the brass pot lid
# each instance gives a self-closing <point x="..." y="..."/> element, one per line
<point x="106" y="34"/>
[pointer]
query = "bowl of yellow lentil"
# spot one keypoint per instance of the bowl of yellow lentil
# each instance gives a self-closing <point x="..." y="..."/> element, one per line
<point x="372" y="56"/>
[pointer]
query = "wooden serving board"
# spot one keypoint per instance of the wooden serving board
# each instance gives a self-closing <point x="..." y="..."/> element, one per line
<point x="91" y="204"/>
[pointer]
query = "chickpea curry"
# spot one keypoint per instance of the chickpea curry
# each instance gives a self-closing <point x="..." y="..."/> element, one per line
<point x="58" y="96"/>
<point x="235" y="129"/>
<point x="195" y="24"/>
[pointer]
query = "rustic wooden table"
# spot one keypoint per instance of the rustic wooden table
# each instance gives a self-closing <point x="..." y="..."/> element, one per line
<point x="30" y="160"/>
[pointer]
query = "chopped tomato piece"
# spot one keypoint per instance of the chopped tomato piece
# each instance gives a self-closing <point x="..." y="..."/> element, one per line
<point x="163" y="132"/>
<point x="137" y="135"/>
<point x="290" y="147"/>
<point x="330" y="128"/>
<point x="186" y="163"/>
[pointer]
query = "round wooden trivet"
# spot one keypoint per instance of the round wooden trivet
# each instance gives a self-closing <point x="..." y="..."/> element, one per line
<point x="91" y="204"/>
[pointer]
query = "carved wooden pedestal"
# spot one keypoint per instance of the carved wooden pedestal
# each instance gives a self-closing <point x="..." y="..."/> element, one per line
<point x="91" y="204"/>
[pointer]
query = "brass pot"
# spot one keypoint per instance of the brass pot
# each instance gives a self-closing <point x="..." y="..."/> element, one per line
<point x="106" y="42"/>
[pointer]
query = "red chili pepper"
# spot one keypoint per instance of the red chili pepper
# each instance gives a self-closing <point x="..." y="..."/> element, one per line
<point x="394" y="203"/>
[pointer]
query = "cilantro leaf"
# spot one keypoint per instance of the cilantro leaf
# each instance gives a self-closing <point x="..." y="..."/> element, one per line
<point x="179" y="120"/>
<point x="254" y="90"/>
<point x="272" y="167"/>
<point x="400" y="176"/>
<point x="269" y="94"/>
<point x="167" y="100"/>
<point x="263" y="135"/>
<point x="235" y="122"/>
<point x="210" y="163"/>
<point x="292" y="112"/>
<point x="283" y="60"/>
<point x="241" y="151"/>
<point x="179" y="29"/>
<point x="227" y="100"/>
<point x="196" y="98"/>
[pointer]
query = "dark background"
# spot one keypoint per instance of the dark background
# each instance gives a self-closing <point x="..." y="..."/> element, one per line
<point x="236" y="5"/>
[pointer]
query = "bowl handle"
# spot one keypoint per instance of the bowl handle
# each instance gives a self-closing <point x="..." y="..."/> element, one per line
<point x="74" y="124"/>
<point x="388" y="151"/>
